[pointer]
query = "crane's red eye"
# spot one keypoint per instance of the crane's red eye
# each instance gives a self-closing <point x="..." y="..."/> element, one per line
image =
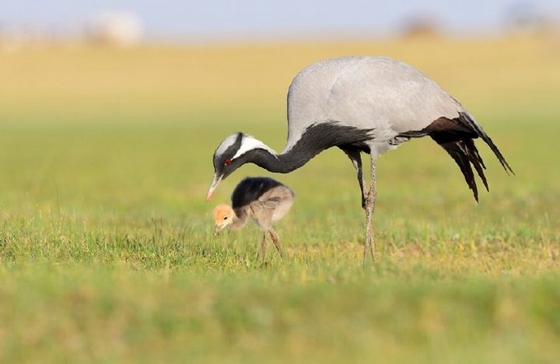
<point x="227" y="162"/>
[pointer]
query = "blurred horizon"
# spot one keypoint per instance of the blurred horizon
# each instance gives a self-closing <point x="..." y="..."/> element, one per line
<point x="51" y="59"/>
<point x="253" y="20"/>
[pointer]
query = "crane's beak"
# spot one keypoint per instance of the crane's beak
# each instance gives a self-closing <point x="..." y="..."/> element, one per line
<point x="215" y="182"/>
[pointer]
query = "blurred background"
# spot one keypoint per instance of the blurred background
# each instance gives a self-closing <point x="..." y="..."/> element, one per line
<point x="129" y="21"/>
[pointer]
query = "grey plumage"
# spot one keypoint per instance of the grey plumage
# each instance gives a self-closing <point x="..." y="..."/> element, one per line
<point x="262" y="199"/>
<point x="362" y="105"/>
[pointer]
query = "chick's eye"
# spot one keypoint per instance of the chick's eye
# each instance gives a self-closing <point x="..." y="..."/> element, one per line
<point x="227" y="162"/>
<point x="225" y="218"/>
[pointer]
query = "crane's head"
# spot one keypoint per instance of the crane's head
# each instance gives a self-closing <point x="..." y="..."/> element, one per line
<point x="232" y="153"/>
<point x="223" y="217"/>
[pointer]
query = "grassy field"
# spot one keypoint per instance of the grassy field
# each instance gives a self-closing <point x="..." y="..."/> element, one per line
<point x="106" y="246"/>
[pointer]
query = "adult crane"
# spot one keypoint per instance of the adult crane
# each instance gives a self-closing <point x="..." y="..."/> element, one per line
<point x="362" y="104"/>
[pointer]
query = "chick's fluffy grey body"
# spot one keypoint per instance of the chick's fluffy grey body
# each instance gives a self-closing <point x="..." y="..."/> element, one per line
<point x="263" y="199"/>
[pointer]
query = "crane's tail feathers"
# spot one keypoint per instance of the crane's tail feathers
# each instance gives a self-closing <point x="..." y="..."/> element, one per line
<point x="467" y="119"/>
<point x="465" y="154"/>
<point x="476" y="160"/>
<point x="456" y="137"/>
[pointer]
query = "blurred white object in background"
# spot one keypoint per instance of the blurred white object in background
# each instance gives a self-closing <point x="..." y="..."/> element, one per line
<point x="116" y="28"/>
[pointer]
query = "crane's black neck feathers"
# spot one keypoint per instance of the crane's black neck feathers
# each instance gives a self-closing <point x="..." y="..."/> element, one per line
<point x="316" y="138"/>
<point x="456" y="137"/>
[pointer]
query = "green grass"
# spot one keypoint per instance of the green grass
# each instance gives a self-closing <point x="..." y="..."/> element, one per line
<point x="107" y="252"/>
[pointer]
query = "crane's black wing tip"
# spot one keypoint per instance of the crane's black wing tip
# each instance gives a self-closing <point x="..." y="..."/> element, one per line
<point x="472" y="124"/>
<point x="464" y="158"/>
<point x="457" y="136"/>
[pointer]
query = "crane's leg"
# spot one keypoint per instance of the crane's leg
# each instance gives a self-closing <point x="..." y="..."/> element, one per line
<point x="276" y="241"/>
<point x="264" y="244"/>
<point x="368" y="198"/>
<point x="354" y="156"/>
<point x="369" y="246"/>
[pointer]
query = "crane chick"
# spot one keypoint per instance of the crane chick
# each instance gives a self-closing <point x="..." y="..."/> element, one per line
<point x="262" y="199"/>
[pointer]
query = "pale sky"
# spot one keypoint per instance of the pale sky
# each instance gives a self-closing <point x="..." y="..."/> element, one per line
<point x="261" y="19"/>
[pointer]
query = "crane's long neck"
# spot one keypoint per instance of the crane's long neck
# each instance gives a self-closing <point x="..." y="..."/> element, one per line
<point x="314" y="140"/>
<point x="285" y="162"/>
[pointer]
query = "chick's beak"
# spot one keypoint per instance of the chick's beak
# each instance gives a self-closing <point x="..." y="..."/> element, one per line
<point x="218" y="228"/>
<point x="215" y="182"/>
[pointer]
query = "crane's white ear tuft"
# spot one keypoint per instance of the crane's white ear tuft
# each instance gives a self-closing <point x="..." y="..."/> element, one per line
<point x="226" y="143"/>
<point x="249" y="143"/>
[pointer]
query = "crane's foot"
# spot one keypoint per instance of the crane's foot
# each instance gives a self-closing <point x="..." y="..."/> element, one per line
<point x="369" y="246"/>
<point x="369" y="251"/>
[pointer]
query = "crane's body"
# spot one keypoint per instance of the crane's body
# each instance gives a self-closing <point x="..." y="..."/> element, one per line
<point x="366" y="93"/>
<point x="362" y="105"/>
<point x="262" y="199"/>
